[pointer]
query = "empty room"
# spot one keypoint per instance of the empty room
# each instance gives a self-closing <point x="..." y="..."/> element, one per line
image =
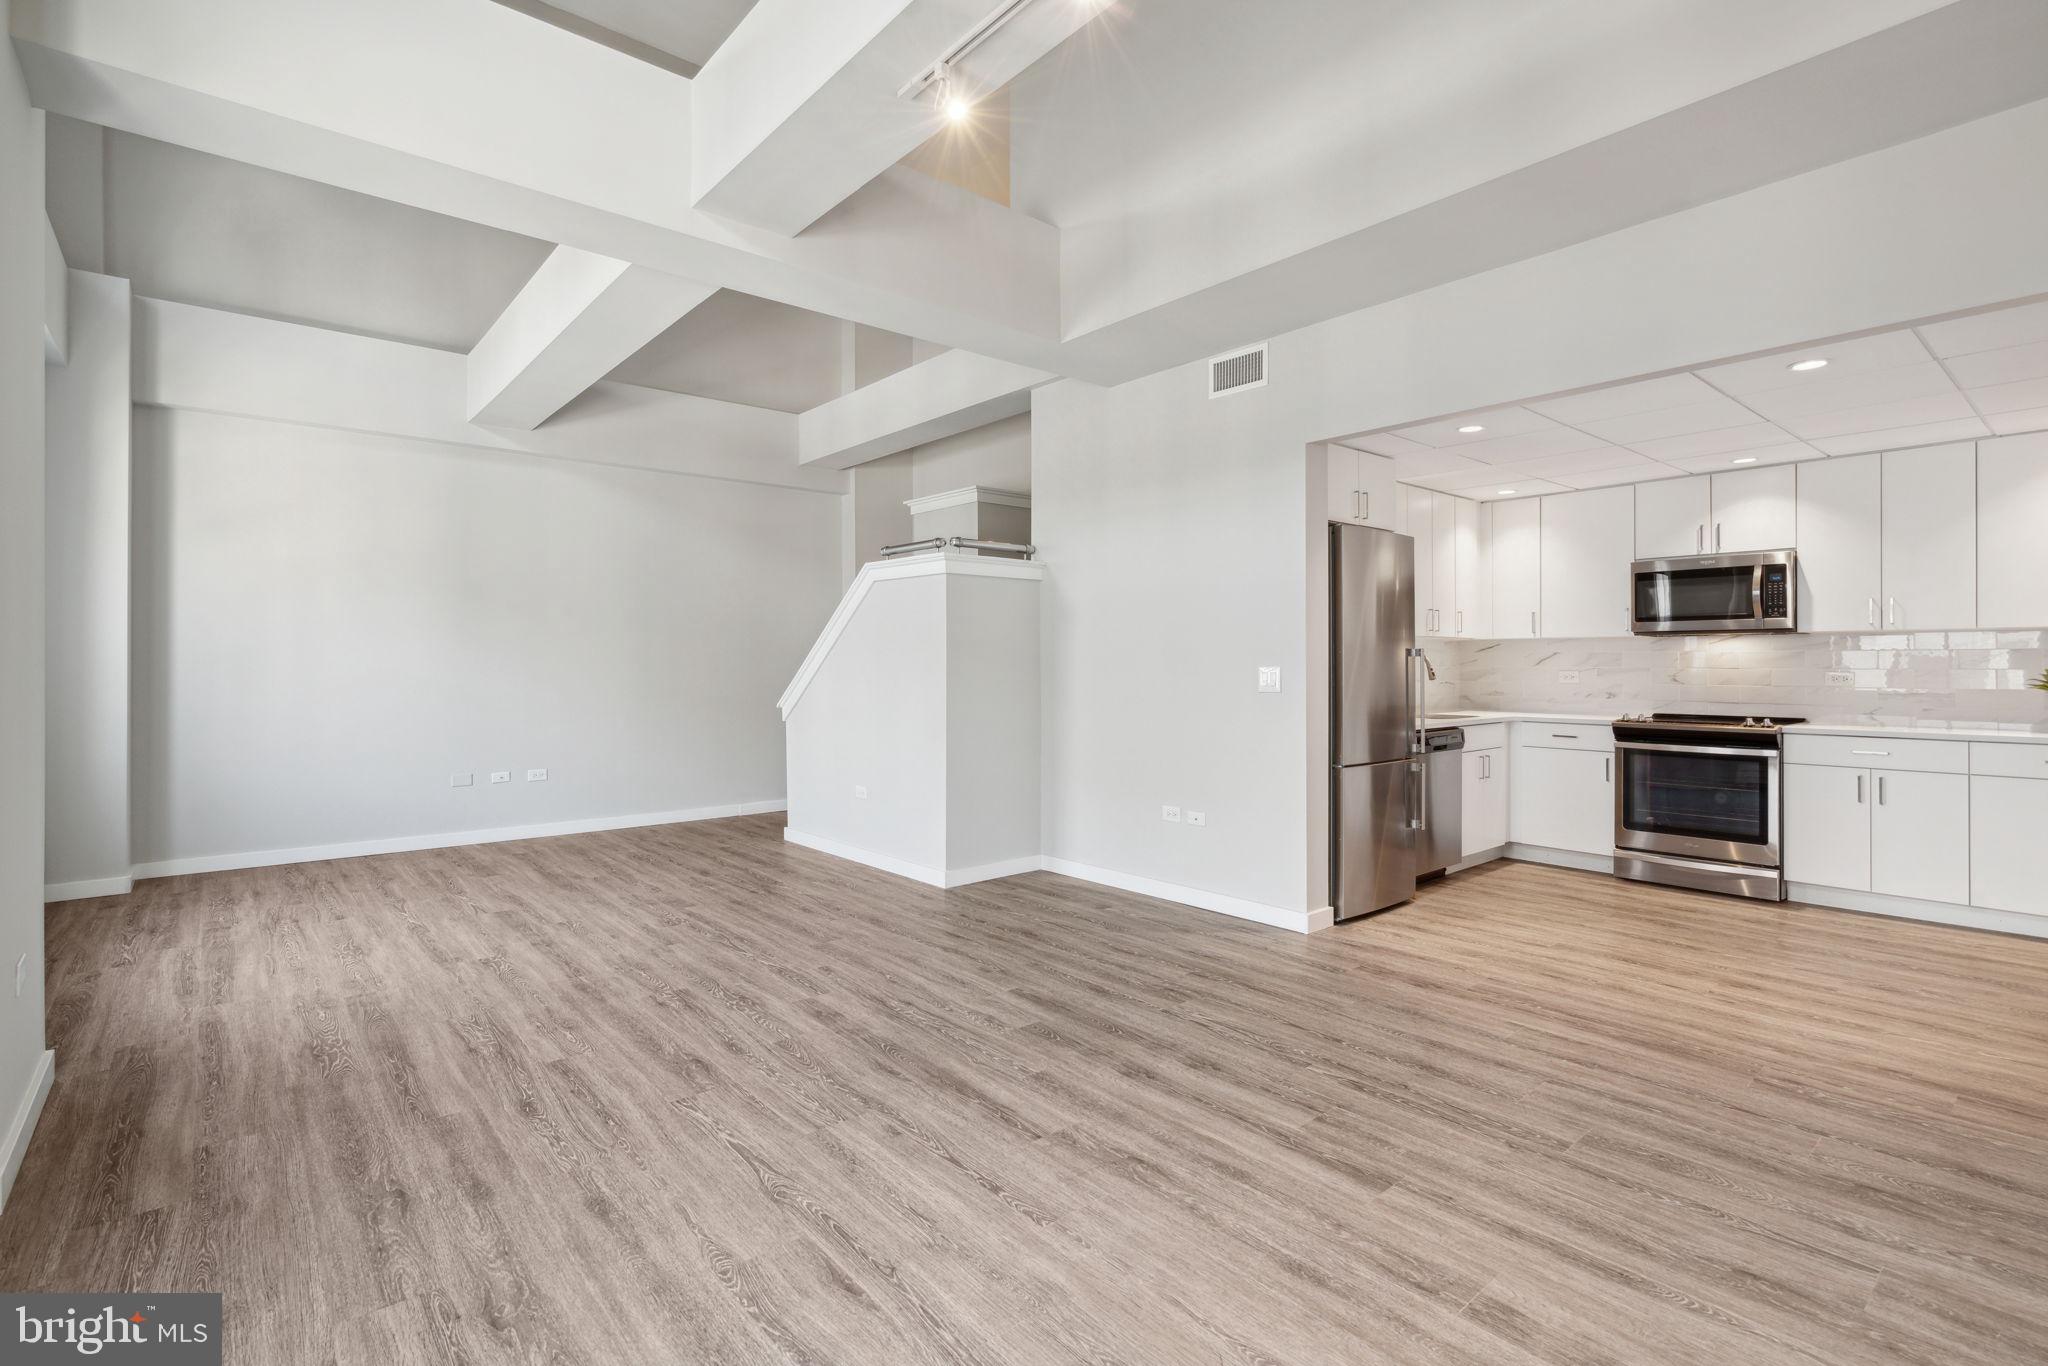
<point x="1024" y="681"/>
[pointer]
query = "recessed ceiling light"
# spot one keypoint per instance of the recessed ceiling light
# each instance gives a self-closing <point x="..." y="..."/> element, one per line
<point x="1743" y="460"/>
<point x="1810" y="363"/>
<point x="1474" y="427"/>
<point x="1504" y="493"/>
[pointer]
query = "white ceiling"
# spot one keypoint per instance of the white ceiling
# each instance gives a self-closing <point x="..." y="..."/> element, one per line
<point x="688" y="30"/>
<point x="1981" y="375"/>
<point x="742" y="349"/>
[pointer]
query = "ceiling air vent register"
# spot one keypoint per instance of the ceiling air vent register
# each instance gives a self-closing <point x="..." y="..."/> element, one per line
<point x="1238" y="371"/>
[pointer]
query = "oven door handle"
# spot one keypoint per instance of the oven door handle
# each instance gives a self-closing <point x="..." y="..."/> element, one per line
<point x="1733" y="751"/>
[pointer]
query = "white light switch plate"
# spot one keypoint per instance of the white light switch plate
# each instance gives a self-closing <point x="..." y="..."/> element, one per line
<point x="1567" y="675"/>
<point x="1841" y="678"/>
<point x="1169" y="813"/>
<point x="1269" y="678"/>
<point x="536" y="775"/>
<point x="860" y="791"/>
<point x="462" y="780"/>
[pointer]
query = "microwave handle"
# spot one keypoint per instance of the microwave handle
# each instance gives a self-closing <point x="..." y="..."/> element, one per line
<point x="1756" y="591"/>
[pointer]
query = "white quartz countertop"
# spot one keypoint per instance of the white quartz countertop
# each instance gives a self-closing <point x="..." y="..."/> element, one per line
<point x="2036" y="734"/>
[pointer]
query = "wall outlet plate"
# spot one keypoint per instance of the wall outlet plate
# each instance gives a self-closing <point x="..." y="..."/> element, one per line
<point x="860" y="791"/>
<point x="503" y="775"/>
<point x="1840" y="678"/>
<point x="1567" y="675"/>
<point x="1198" y="818"/>
<point x="1269" y="678"/>
<point x="1169" y="813"/>
<point x="536" y="775"/>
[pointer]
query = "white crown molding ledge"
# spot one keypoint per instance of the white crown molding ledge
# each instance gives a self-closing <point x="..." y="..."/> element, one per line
<point x="959" y="498"/>
<point x="881" y="571"/>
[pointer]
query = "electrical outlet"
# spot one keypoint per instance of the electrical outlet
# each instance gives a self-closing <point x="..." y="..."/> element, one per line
<point x="860" y="791"/>
<point x="536" y="775"/>
<point x="1567" y="675"/>
<point x="462" y="780"/>
<point x="1198" y="818"/>
<point x="20" y="974"/>
<point x="502" y="775"/>
<point x="1269" y="678"/>
<point x="1840" y="678"/>
<point x="1169" y="813"/>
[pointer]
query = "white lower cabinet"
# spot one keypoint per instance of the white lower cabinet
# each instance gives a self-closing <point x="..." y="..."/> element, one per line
<point x="1896" y="833"/>
<point x="1827" y="826"/>
<point x="1485" y="805"/>
<point x="2008" y="817"/>
<point x="1563" y="799"/>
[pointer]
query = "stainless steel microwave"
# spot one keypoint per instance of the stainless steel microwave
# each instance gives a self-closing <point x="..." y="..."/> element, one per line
<point x="1758" y="591"/>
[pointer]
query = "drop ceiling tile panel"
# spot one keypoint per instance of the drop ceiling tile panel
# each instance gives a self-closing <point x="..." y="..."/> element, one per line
<point x="1899" y="438"/>
<point x="1644" y="396"/>
<point x="1885" y="351"/>
<point x="2012" y="424"/>
<point x="1384" y="443"/>
<point x="2003" y="366"/>
<point x="1912" y="412"/>
<point x="1521" y="488"/>
<point x="1463" y="482"/>
<point x="2001" y="327"/>
<point x="1430" y="464"/>
<point x="1497" y="423"/>
<point x="1763" y="455"/>
<point x="1715" y="413"/>
<point x="1574" y="462"/>
<point x="1923" y="379"/>
<point x="2011" y="398"/>
<point x="1632" y="474"/>
<point x="1508" y="450"/>
<point x="1727" y="439"/>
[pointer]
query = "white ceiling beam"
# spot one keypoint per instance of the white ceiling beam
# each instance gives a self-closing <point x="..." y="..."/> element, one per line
<point x="570" y="325"/>
<point x="800" y="107"/>
<point x="944" y="396"/>
<point x="535" y="131"/>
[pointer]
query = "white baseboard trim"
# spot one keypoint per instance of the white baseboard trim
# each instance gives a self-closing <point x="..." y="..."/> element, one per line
<point x="406" y="844"/>
<point x="22" y="1128"/>
<point x="1907" y="908"/>
<point x="88" y="887"/>
<point x="916" y="872"/>
<point x="988" y="872"/>
<point x="1560" y="858"/>
<point x="1301" y="922"/>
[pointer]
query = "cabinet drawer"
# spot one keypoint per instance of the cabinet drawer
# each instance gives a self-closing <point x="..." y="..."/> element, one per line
<point x="1879" y="751"/>
<point x="2005" y="761"/>
<point x="1495" y="735"/>
<point x="1562" y="735"/>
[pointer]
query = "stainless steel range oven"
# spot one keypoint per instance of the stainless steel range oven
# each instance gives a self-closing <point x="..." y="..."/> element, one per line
<point x="1697" y="802"/>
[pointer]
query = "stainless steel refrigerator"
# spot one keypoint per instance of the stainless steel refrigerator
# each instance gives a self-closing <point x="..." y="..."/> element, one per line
<point x="1377" y="732"/>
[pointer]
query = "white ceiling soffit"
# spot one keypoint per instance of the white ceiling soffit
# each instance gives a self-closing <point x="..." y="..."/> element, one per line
<point x="679" y="35"/>
<point x="1982" y="375"/>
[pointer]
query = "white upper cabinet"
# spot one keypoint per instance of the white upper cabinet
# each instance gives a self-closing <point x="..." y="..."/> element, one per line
<point x="1930" y="539"/>
<point x="1517" y="567"/>
<point x="1474" y="614"/>
<point x="1432" y="520"/>
<point x="1362" y="488"/>
<point x="1672" y="516"/>
<point x="1754" y="510"/>
<point x="1588" y="543"/>
<point x="1841" y="560"/>
<point x="2012" y="531"/>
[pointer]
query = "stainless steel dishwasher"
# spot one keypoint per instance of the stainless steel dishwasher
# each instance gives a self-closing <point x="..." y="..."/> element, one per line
<point x="1443" y="833"/>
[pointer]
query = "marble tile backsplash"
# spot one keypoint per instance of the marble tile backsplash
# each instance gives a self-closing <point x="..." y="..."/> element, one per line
<point x="1920" y="677"/>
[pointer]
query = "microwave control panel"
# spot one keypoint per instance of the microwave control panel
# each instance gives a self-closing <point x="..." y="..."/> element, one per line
<point x="1777" y="595"/>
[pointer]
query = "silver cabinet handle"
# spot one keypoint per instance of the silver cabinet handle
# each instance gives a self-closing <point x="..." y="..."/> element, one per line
<point x="1555" y="736"/>
<point x="1891" y="611"/>
<point x="1880" y="789"/>
<point x="1699" y="537"/>
<point x="1366" y="516"/>
<point x="1859" y="789"/>
<point x="1532" y="623"/>
<point x="1870" y="751"/>
<point x="1717" y="535"/>
<point x="1461" y="621"/>
<point x="1607" y="769"/>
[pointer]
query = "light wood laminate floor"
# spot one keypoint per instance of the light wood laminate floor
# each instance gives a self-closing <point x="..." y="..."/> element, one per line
<point x="690" y="1094"/>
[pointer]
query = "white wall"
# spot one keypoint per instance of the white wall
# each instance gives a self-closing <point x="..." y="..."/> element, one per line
<point x="992" y="722"/>
<point x="328" y="624"/>
<point x="87" y="669"/>
<point x="22" y="226"/>
<point x="997" y="456"/>
<point x="1175" y="528"/>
